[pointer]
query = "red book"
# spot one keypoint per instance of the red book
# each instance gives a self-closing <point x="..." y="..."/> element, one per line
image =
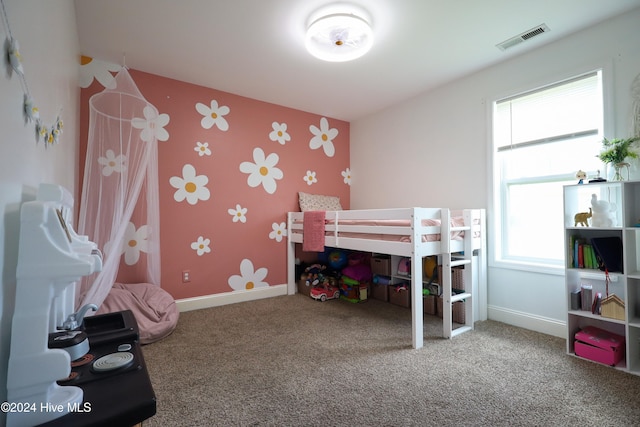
<point x="580" y="256"/>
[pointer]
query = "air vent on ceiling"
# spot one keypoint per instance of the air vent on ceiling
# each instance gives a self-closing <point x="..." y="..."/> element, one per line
<point x="535" y="31"/>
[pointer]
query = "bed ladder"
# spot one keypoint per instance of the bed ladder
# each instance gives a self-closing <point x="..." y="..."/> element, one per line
<point x="467" y="296"/>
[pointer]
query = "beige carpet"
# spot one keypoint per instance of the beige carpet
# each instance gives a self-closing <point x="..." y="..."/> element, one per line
<point x="293" y="361"/>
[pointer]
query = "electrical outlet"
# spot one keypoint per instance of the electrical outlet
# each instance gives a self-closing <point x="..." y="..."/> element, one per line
<point x="186" y="276"/>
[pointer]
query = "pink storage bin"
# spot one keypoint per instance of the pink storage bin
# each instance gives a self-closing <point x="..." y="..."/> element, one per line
<point x="599" y="345"/>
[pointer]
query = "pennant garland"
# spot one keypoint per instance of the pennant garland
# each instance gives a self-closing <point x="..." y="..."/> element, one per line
<point x="50" y="134"/>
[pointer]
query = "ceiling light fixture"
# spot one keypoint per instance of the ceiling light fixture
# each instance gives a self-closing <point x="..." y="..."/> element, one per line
<point x="339" y="37"/>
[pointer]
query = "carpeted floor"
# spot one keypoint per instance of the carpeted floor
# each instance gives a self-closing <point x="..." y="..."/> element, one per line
<point x="293" y="361"/>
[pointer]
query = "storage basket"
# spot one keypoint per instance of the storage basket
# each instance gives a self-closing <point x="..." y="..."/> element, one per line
<point x="400" y="295"/>
<point x="380" y="292"/>
<point x="457" y="311"/>
<point x="430" y="305"/>
<point x="457" y="277"/>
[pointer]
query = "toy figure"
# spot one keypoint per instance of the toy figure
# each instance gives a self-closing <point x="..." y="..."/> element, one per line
<point x="581" y="175"/>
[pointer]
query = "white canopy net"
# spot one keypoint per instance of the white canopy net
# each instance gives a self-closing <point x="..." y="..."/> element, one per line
<point x="119" y="207"/>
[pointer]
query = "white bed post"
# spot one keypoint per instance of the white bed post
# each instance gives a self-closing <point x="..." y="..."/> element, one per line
<point x="445" y="249"/>
<point x="417" y="314"/>
<point x="482" y="268"/>
<point x="291" y="258"/>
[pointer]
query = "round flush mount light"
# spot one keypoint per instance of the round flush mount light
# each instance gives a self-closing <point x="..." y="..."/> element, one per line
<point x="339" y="37"/>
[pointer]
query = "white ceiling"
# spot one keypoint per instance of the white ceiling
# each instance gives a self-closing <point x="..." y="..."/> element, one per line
<point x="255" y="48"/>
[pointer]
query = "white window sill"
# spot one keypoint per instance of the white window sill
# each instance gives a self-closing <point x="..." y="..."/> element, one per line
<point x="556" y="270"/>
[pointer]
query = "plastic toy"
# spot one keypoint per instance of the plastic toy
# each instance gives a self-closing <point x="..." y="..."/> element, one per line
<point x="324" y="291"/>
<point x="337" y="259"/>
<point x="581" y="175"/>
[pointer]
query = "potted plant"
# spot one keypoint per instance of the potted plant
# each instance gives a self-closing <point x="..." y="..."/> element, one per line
<point x="615" y="151"/>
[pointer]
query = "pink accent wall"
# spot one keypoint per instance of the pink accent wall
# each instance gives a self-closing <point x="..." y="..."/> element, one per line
<point x="249" y="125"/>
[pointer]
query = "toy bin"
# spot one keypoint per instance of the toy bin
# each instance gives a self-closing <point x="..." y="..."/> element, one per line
<point x="457" y="311"/>
<point x="380" y="291"/>
<point x="457" y="277"/>
<point x="430" y="305"/>
<point x="599" y="345"/>
<point x="304" y="288"/>
<point x="400" y="295"/>
<point x="381" y="265"/>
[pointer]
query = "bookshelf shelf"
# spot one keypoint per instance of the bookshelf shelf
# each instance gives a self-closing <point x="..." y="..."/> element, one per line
<point x="619" y="223"/>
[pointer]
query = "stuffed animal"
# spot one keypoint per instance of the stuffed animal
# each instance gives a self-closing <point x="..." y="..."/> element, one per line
<point x="604" y="213"/>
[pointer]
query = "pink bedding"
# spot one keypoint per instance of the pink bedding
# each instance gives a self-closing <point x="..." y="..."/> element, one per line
<point x="455" y="235"/>
<point x="154" y="308"/>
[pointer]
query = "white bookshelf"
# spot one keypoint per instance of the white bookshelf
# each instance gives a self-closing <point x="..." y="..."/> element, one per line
<point x="626" y="284"/>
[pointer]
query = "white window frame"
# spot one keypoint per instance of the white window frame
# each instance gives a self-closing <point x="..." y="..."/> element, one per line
<point x="497" y="191"/>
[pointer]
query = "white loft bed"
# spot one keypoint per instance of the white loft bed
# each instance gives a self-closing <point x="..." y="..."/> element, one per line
<point x="414" y="233"/>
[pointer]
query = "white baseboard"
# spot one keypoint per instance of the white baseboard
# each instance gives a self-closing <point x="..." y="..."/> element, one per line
<point x="520" y="319"/>
<point x="216" y="300"/>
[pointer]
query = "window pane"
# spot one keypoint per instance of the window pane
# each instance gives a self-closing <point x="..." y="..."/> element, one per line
<point x="557" y="158"/>
<point x="535" y="221"/>
<point x="536" y="154"/>
<point x="559" y="110"/>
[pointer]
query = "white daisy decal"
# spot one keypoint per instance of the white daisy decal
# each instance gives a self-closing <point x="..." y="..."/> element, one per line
<point x="279" y="133"/>
<point x="201" y="246"/>
<point x="152" y="125"/>
<point x="202" y="148"/>
<point x="279" y="231"/>
<point x="213" y="115"/>
<point x="346" y="174"/>
<point x="323" y="137"/>
<point x="262" y="171"/>
<point x="238" y="214"/>
<point x="112" y="163"/>
<point x="190" y="186"/>
<point x="310" y="178"/>
<point x="248" y="278"/>
<point x="135" y="241"/>
<point x="91" y="68"/>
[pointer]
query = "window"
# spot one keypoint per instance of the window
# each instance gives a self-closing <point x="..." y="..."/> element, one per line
<point x="541" y="139"/>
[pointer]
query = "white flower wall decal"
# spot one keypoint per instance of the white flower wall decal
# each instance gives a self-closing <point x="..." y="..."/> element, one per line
<point x="190" y="186"/>
<point x="213" y="115"/>
<point x="238" y="214"/>
<point x="152" y="125"/>
<point x="202" y="148"/>
<point x="346" y="174"/>
<point x="112" y="163"/>
<point x="201" y="246"/>
<point x="323" y="137"/>
<point x="279" y="133"/>
<point x="248" y="278"/>
<point x="91" y="68"/>
<point x="134" y="242"/>
<point x="279" y="231"/>
<point x="310" y="178"/>
<point x="263" y="171"/>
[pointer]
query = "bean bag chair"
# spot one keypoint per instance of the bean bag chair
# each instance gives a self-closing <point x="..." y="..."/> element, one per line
<point x="154" y="308"/>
